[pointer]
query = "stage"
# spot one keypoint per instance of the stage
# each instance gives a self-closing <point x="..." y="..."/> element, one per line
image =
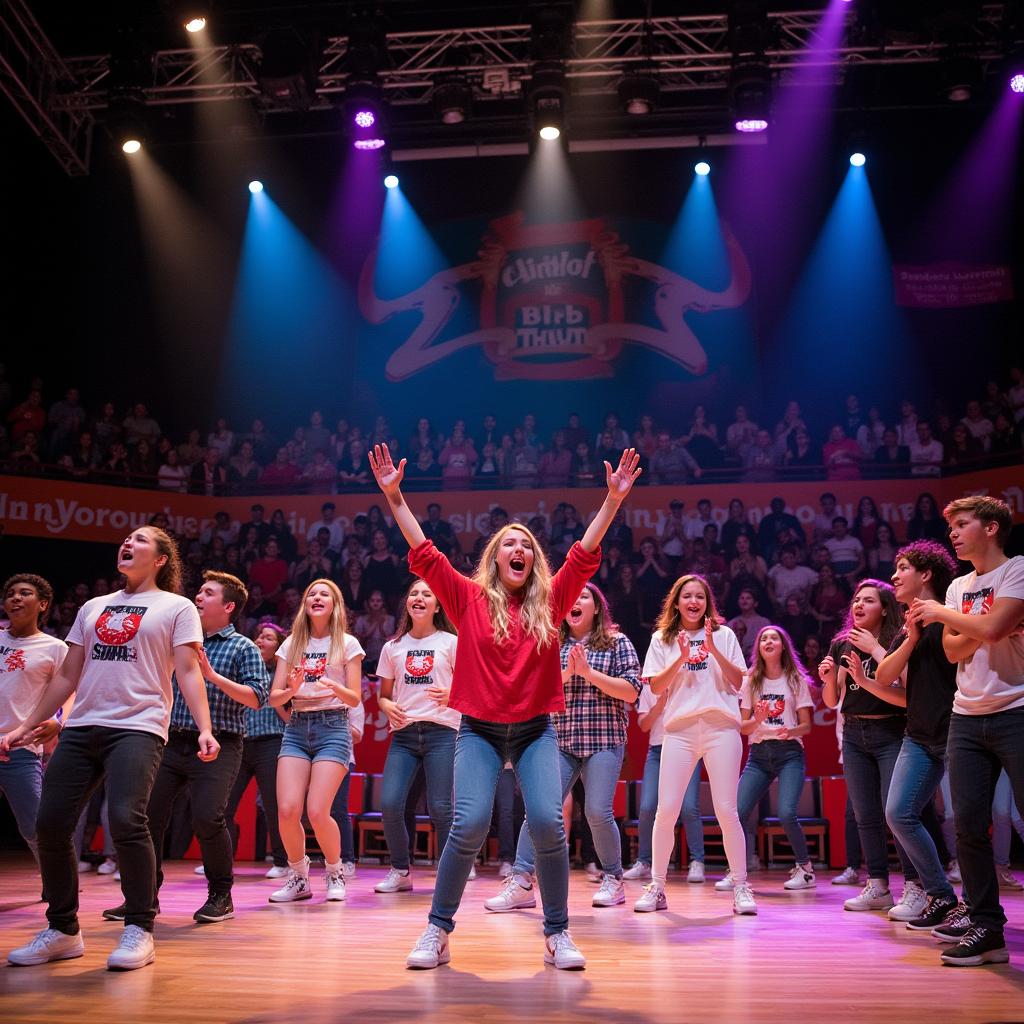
<point x="802" y="957"/>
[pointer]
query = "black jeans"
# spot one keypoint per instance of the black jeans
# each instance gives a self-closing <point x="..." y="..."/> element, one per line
<point x="259" y="761"/>
<point x="129" y="759"/>
<point x="979" y="747"/>
<point x="209" y="784"/>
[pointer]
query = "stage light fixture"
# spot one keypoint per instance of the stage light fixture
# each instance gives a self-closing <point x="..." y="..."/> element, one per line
<point x="702" y="167"/>
<point x="550" y="133"/>
<point x="547" y="102"/>
<point x="453" y="100"/>
<point x="750" y="87"/>
<point x="367" y="115"/>
<point x="391" y="181"/>
<point x="255" y="186"/>
<point x="195" y="25"/>
<point x="638" y="94"/>
<point x="858" y="159"/>
<point x="288" y="70"/>
<point x="192" y="15"/>
<point x="364" y="119"/>
<point x="131" y="146"/>
<point x="1017" y="82"/>
<point x="126" y="120"/>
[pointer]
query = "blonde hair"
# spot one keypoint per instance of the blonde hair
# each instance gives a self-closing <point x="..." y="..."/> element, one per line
<point x="987" y="510"/>
<point x="792" y="666"/>
<point x="536" y="611"/>
<point x="336" y="628"/>
<point x="670" y="621"/>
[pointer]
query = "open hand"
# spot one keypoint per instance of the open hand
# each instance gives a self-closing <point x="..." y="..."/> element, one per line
<point x="621" y="480"/>
<point x="385" y="472"/>
<point x="863" y="639"/>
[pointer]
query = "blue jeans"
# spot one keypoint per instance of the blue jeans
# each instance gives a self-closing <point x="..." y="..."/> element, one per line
<point x="915" y="778"/>
<point x="432" y="746"/>
<point x="481" y="751"/>
<point x="340" y="813"/>
<point x="21" y="781"/>
<point x="649" y="808"/>
<point x="1005" y="817"/>
<point x="600" y="773"/>
<point x="870" y="749"/>
<point x="766" y="761"/>
<point x="980" y="747"/>
<point x="318" y="736"/>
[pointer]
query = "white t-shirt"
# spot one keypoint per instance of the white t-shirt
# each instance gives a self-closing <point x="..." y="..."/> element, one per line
<point x="414" y="664"/>
<point x="356" y="727"/>
<point x="646" y="702"/>
<point x="844" y="550"/>
<point x="787" y="581"/>
<point x="128" y="641"/>
<point x="313" y="695"/>
<point x="699" y="688"/>
<point x="926" y="459"/>
<point x="27" y="664"/>
<point x="335" y="529"/>
<point x="782" y="706"/>
<point x="992" y="679"/>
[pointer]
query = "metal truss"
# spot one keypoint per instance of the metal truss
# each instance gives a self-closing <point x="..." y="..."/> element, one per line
<point x="59" y="96"/>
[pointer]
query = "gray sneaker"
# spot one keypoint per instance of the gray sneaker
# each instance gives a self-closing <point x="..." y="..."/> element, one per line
<point x="611" y="893"/>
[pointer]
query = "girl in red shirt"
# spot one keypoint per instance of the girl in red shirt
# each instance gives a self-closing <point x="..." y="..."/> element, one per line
<point x="506" y="682"/>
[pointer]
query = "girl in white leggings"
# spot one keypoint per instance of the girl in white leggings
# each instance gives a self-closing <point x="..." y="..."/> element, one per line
<point x="700" y="663"/>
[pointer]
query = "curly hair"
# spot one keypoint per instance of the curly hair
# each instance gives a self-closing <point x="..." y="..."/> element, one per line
<point x="928" y="555"/>
<point x="41" y="586"/>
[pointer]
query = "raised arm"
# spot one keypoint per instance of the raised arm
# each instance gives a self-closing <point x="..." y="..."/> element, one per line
<point x="620" y="482"/>
<point x="389" y="480"/>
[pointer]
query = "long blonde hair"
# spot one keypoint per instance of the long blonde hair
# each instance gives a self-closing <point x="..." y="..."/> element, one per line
<point x="536" y="611"/>
<point x="792" y="665"/>
<point x="336" y="628"/>
<point x="670" y="621"/>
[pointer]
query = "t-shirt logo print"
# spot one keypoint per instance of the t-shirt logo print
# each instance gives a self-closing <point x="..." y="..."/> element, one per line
<point x="14" y="661"/>
<point x="978" y="602"/>
<point x="118" y="624"/>
<point x="776" y="704"/>
<point x="418" y="666"/>
<point x="314" y="664"/>
<point x="698" y="656"/>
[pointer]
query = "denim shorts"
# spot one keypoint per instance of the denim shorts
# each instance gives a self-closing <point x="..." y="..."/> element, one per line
<point x="318" y="736"/>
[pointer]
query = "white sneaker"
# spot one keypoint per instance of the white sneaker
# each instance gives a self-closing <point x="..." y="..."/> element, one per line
<point x="639" y="872"/>
<point x="108" y="867"/>
<point x="117" y="875"/>
<point x="593" y="872"/>
<point x="801" y="877"/>
<point x="336" y="886"/>
<point x="296" y="888"/>
<point x="696" y="872"/>
<point x="1007" y="879"/>
<point x="431" y="949"/>
<point x="85" y="866"/>
<point x="560" y="950"/>
<point x="743" y="899"/>
<point x="953" y="875"/>
<point x="472" y="874"/>
<point x="504" y="869"/>
<point x="348" y="868"/>
<point x="725" y="884"/>
<point x="848" y="876"/>
<point x="911" y="904"/>
<point x="874" y="896"/>
<point x="135" y="950"/>
<point x="611" y="893"/>
<point x="201" y="870"/>
<point x="48" y="945"/>
<point x="512" y="897"/>
<point x="653" y="898"/>
<point x="277" y="871"/>
<point x="395" y="881"/>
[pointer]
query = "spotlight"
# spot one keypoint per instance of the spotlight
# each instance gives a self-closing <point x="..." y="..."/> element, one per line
<point x="391" y="181"/>
<point x="131" y="146"/>
<point x="858" y="159"/>
<point x="126" y="120"/>
<point x="364" y="119"/>
<point x="453" y="100"/>
<point x="195" y="24"/>
<point x="288" y="70"/>
<point x="547" y="101"/>
<point x="1017" y="83"/>
<point x="549" y="133"/>
<point x="366" y="113"/>
<point x="192" y="14"/>
<point x="750" y="86"/>
<point x="638" y="94"/>
<point x="703" y="168"/>
<point x="255" y="186"/>
<point x="369" y="144"/>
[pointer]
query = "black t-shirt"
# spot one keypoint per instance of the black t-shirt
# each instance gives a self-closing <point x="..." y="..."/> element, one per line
<point x="855" y="700"/>
<point x="931" y="684"/>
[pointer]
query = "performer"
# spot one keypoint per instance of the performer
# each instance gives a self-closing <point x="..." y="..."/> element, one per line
<point x="415" y="671"/>
<point x="982" y="632"/>
<point x="122" y="650"/>
<point x="700" y="663"/>
<point x="236" y="679"/>
<point x="872" y="736"/>
<point x="264" y="728"/>
<point x="319" y="669"/>
<point x="601" y="676"/>
<point x="777" y="710"/>
<point x="505" y="684"/>
<point x="29" y="661"/>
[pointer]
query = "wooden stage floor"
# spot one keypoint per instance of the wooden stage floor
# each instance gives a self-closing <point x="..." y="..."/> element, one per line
<point x="801" y="959"/>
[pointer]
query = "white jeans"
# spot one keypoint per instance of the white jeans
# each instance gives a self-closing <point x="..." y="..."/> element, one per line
<point x="722" y="749"/>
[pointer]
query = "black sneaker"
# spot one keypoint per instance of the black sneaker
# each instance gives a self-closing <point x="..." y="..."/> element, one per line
<point x="979" y="946"/>
<point x="935" y="913"/>
<point x="218" y="907"/>
<point x="956" y="925"/>
<point x="117" y="913"/>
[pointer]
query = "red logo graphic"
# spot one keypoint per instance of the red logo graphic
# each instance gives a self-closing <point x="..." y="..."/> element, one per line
<point x="314" y="665"/>
<point x="978" y="602"/>
<point x="419" y="665"/>
<point x="117" y="627"/>
<point x="15" y="661"/>
<point x="698" y="653"/>
<point x="776" y="705"/>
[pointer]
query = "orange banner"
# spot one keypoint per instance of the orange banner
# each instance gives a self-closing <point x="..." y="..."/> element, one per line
<point x="32" y="507"/>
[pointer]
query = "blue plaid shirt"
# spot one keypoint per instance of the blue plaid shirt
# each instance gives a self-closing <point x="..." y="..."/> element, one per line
<point x="262" y="722"/>
<point x="237" y="658"/>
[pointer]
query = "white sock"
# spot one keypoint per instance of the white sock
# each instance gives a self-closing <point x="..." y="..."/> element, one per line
<point x="333" y="869"/>
<point x="524" y="881"/>
<point x="300" y="867"/>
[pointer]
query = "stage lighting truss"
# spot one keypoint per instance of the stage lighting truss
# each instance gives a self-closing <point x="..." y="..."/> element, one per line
<point x="287" y="70"/>
<point x="60" y="96"/>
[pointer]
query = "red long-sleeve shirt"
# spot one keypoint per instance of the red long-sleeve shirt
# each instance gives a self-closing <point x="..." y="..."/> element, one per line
<point x="510" y="681"/>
